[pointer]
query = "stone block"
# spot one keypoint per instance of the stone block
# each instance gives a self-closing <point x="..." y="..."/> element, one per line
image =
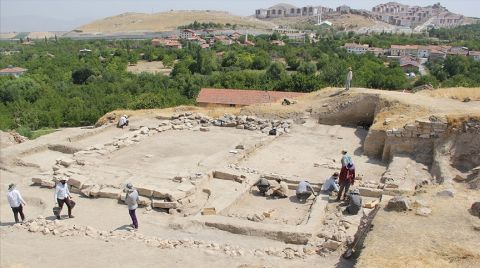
<point x="331" y="245"/>
<point x="146" y="191"/>
<point x="164" y="204"/>
<point x="209" y="211"/>
<point x="77" y="181"/>
<point x="224" y="175"/>
<point x="370" y="192"/>
<point x="66" y="162"/>
<point x="161" y="193"/>
<point x="38" y="180"/>
<point x="109" y="192"/>
<point x="93" y="191"/>
<point x="48" y="183"/>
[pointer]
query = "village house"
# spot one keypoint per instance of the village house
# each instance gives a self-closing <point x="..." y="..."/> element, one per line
<point x="376" y="51"/>
<point x="356" y="48"/>
<point x="459" y="51"/>
<point x="187" y="34"/>
<point x="212" y="97"/>
<point x="13" y="71"/>
<point x="475" y="55"/>
<point x="408" y="64"/>
<point x="404" y="50"/>
<point x="223" y="39"/>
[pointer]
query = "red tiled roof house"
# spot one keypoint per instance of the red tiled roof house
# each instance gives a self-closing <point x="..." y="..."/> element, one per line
<point x="239" y="97"/>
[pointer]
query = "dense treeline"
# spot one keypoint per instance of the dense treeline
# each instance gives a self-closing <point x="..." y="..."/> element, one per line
<point x="207" y="25"/>
<point x="66" y="87"/>
<point x="467" y="35"/>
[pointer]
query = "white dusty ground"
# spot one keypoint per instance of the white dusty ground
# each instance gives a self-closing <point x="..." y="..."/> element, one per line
<point x="309" y="151"/>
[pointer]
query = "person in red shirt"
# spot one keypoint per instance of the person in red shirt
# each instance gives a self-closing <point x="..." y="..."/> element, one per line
<point x="346" y="180"/>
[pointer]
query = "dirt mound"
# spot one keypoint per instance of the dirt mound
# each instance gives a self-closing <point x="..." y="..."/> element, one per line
<point x="10" y="138"/>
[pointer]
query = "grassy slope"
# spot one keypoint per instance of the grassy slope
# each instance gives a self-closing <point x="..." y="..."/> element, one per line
<point x="167" y="21"/>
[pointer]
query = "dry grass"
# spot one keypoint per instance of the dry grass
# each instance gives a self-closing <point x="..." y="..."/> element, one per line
<point x="459" y="93"/>
<point x="168" y="21"/>
<point x="149" y="67"/>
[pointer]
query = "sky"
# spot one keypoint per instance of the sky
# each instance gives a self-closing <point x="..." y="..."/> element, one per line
<point x="64" y="15"/>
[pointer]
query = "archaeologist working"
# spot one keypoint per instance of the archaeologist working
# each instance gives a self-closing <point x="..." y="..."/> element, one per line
<point x="62" y="196"/>
<point x="280" y="190"/>
<point x="355" y="202"/>
<point x="348" y="82"/>
<point x="304" y="190"/>
<point x="123" y="121"/>
<point x="331" y="185"/>
<point x="262" y="185"/>
<point x="131" y="199"/>
<point x="346" y="180"/>
<point x="16" y="201"/>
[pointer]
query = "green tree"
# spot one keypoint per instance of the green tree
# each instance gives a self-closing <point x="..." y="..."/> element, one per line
<point x="275" y="71"/>
<point x="80" y="76"/>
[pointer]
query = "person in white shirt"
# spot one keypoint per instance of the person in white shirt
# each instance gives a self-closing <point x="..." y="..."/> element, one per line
<point x="62" y="196"/>
<point x="123" y="121"/>
<point x="331" y="184"/>
<point x="304" y="191"/>
<point x="16" y="202"/>
<point x="131" y="199"/>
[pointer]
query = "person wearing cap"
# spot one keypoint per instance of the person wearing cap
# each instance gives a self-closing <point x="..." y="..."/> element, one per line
<point x="346" y="180"/>
<point x="331" y="185"/>
<point x="349" y="78"/>
<point x="355" y="202"/>
<point x="131" y="199"/>
<point x="280" y="190"/>
<point x="16" y="202"/>
<point x="123" y="121"/>
<point x="304" y="191"/>
<point x="62" y="196"/>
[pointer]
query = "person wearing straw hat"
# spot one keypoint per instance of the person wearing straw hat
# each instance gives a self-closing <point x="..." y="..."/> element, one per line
<point x="131" y="199"/>
<point x="16" y="202"/>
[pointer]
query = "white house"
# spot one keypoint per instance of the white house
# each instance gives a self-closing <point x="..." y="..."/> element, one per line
<point x="187" y="34"/>
<point x="356" y="48"/>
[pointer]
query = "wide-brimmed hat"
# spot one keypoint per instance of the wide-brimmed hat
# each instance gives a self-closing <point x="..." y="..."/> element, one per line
<point x="11" y="186"/>
<point x="355" y="191"/>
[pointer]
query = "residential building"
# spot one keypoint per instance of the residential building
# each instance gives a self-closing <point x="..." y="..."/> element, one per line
<point x="411" y="16"/>
<point x="187" y="34"/>
<point x="343" y="9"/>
<point x="356" y="48"/>
<point x="376" y="51"/>
<point x="14" y="71"/>
<point x="406" y="50"/>
<point x="238" y="98"/>
<point x="287" y="10"/>
<point x="475" y="55"/>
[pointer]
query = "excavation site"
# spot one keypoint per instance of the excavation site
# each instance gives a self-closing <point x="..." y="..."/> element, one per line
<point x="417" y="171"/>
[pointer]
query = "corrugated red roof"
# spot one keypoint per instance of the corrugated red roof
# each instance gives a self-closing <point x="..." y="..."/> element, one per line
<point x="13" y="70"/>
<point x="242" y="97"/>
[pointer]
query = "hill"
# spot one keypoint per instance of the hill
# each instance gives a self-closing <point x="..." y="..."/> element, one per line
<point x="167" y="21"/>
